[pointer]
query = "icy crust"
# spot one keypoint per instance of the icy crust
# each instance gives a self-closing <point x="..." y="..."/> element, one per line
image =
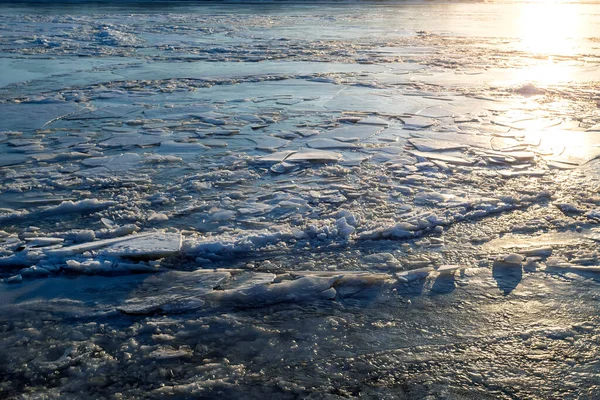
<point x="43" y="256"/>
<point x="150" y="330"/>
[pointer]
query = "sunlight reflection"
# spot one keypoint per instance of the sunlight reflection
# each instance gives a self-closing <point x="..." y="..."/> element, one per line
<point x="545" y="72"/>
<point x="548" y="32"/>
<point x="548" y="29"/>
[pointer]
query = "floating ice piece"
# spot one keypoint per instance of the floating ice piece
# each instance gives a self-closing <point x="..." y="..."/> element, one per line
<point x="158" y="217"/>
<point x="121" y="163"/>
<point x="104" y="113"/>
<point x="283" y="167"/>
<point x="160" y="159"/>
<point x="275" y="157"/>
<point x="289" y="102"/>
<point x="172" y="146"/>
<point x="251" y="118"/>
<point x="544" y="251"/>
<point x="269" y="143"/>
<point x="247" y="280"/>
<point x="153" y="246"/>
<point x="173" y="291"/>
<point x="413" y="275"/>
<point x="559" y="165"/>
<point x="330" y="144"/>
<point x="214" y="143"/>
<point x="416" y="122"/>
<point x="90" y="266"/>
<point x="222" y="215"/>
<point x="373" y="121"/>
<point x="449" y="269"/>
<point x="170" y="354"/>
<point x="513" y="259"/>
<point x="24" y="142"/>
<point x="443" y="157"/>
<point x="425" y="144"/>
<point x="150" y="245"/>
<point x="352" y="131"/>
<point x="318" y="156"/>
<point x="43" y="241"/>
<point x="67" y="156"/>
<point x="210" y="117"/>
<point x="138" y="140"/>
<point x="520" y="156"/>
<point x="255" y="208"/>
<point x="577" y="155"/>
<point x="344" y="229"/>
<point x="302" y="289"/>
<point x="558" y="262"/>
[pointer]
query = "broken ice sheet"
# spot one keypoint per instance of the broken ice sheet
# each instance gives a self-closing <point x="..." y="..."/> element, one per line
<point x="352" y="131"/>
<point x="150" y="245"/>
<point x="445" y="157"/>
<point x="417" y="122"/>
<point x="316" y="156"/>
<point x="426" y="144"/>
<point x="330" y="144"/>
<point x="173" y="292"/>
<point x="122" y="163"/>
<point x="269" y="143"/>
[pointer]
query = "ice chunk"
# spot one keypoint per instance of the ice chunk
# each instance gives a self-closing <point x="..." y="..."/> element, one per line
<point x="514" y="258"/>
<point x="448" y="269"/>
<point x="171" y="146"/>
<point x="413" y="275"/>
<point x="275" y="157"/>
<point x="222" y="215"/>
<point x="344" y="229"/>
<point x="145" y="245"/>
<point x="373" y="121"/>
<point x="318" y="156"/>
<point x="330" y="144"/>
<point x="173" y="291"/>
<point x="417" y="122"/>
<point x="119" y="163"/>
<point x="352" y="131"/>
<point x="302" y="289"/>
<point x="443" y="157"/>
<point x="424" y="144"/>
<point x="153" y="246"/>
<point x="269" y="143"/>
<point x="131" y="140"/>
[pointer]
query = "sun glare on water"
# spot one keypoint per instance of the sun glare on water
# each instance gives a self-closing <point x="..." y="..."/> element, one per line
<point x="548" y="32"/>
<point x="549" y="28"/>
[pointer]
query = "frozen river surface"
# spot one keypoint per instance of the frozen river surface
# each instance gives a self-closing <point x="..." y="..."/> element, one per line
<point x="300" y="201"/>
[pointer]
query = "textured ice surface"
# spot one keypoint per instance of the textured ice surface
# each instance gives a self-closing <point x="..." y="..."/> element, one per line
<point x="367" y="200"/>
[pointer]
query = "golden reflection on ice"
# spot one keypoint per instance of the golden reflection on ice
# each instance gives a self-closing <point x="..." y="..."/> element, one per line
<point x="548" y="31"/>
<point x="549" y="28"/>
<point x="545" y="72"/>
<point x="568" y="146"/>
